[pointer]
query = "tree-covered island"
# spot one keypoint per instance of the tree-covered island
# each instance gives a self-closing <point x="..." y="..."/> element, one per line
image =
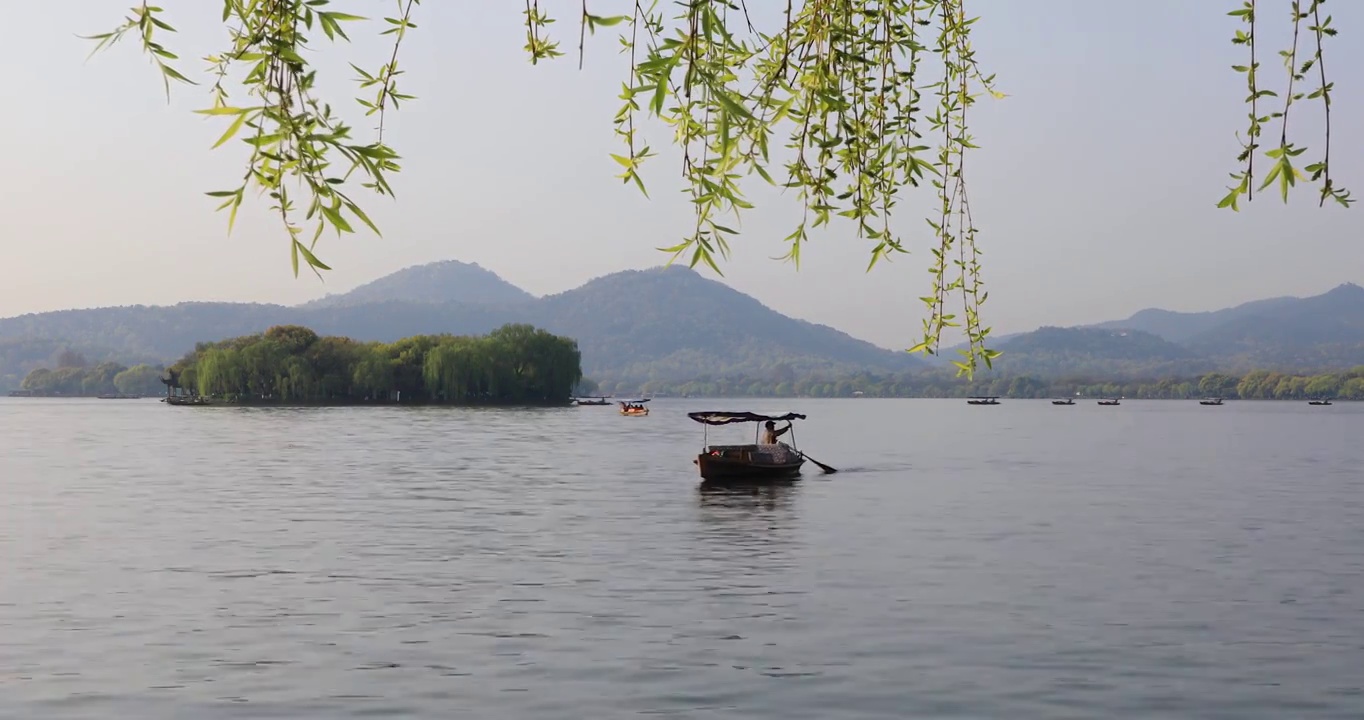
<point x="290" y="364"/>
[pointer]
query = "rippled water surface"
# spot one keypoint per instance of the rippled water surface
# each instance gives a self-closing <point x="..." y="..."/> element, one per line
<point x="1158" y="559"/>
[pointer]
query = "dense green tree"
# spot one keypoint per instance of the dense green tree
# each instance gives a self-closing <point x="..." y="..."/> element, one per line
<point x="1353" y="389"/>
<point x="139" y="380"/>
<point x="74" y="381"/>
<point x="514" y="364"/>
<point x="1217" y="384"/>
<point x="1323" y="386"/>
<point x="39" y="380"/>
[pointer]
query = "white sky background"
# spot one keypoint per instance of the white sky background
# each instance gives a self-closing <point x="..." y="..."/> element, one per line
<point x="1095" y="189"/>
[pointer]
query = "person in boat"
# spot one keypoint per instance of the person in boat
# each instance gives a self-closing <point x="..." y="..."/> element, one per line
<point x="771" y="433"/>
<point x="775" y="450"/>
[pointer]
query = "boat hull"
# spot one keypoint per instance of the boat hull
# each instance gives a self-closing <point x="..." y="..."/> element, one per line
<point x="714" y="468"/>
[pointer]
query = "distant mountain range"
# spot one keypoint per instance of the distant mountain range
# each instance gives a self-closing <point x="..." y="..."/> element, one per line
<point x="1317" y="333"/>
<point x="672" y="324"/>
<point x="434" y="283"/>
<point x="665" y="324"/>
<point x="1178" y="327"/>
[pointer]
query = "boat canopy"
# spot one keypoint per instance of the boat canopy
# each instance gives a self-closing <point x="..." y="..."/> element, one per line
<point x="716" y="417"/>
<point x="634" y="402"/>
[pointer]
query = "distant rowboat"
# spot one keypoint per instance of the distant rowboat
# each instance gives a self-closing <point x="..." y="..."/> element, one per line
<point x="634" y="407"/>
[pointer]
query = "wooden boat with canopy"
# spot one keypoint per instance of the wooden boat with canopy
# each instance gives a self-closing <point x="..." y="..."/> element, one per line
<point x="634" y="407"/>
<point x="750" y="463"/>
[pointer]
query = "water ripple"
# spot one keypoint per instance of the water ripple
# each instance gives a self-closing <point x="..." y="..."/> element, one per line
<point x="321" y="563"/>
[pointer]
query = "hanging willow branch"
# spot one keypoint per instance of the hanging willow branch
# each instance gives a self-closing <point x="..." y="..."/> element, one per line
<point x="835" y="86"/>
<point x="1282" y="170"/>
<point x="290" y="133"/>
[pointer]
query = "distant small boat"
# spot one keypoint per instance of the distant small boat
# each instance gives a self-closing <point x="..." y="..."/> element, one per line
<point x="592" y="400"/>
<point x="634" y="407"/>
<point x="1113" y="401"/>
<point x="1319" y="402"/>
<point x="1210" y="401"/>
<point x="984" y="400"/>
<point x="1067" y="401"/>
<point x="186" y="400"/>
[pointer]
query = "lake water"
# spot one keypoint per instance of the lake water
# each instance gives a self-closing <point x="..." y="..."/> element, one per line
<point x="1158" y="559"/>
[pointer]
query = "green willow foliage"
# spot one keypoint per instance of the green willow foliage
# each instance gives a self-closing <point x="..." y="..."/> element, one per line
<point x="516" y="364"/>
<point x="1298" y="62"/>
<point x="106" y="378"/>
<point x="867" y="97"/>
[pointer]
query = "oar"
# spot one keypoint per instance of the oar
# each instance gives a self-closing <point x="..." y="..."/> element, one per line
<point x="829" y="470"/>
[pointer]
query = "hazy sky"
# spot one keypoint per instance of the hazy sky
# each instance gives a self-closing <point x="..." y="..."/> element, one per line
<point x="1095" y="191"/>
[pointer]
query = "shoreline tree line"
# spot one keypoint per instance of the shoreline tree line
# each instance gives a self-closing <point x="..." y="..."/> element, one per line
<point x="74" y="377"/>
<point x="291" y="364"/>
<point x="1254" y="385"/>
<point x="519" y="363"/>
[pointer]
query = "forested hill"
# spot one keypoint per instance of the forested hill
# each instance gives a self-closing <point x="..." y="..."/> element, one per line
<point x="1314" y="334"/>
<point x="673" y="323"/>
<point x="1178" y="327"/>
<point x="1322" y="332"/>
<point x="1096" y="352"/>
<point x="449" y="281"/>
<point x="665" y="324"/>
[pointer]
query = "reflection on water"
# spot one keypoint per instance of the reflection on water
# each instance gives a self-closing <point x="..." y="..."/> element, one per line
<point x="750" y="530"/>
<point x="769" y="495"/>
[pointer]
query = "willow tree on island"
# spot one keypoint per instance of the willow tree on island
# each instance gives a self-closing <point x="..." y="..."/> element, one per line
<point x="867" y="100"/>
<point x="516" y="364"/>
